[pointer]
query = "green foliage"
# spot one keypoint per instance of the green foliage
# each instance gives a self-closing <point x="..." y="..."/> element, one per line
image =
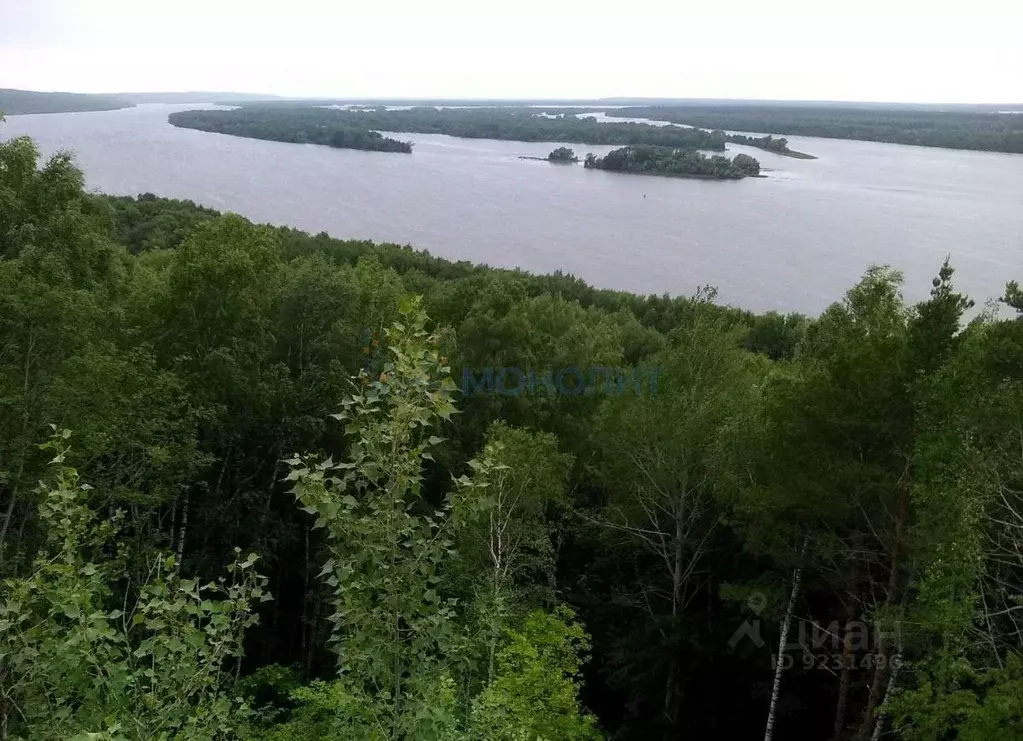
<point x="149" y="223"/>
<point x="192" y="351"/>
<point x="506" y="513"/>
<point x="562" y="154"/>
<point x="980" y="705"/>
<point x="775" y="335"/>
<point x="660" y="513"/>
<point x="85" y="651"/>
<point x="1013" y="296"/>
<point x="397" y="636"/>
<point x="967" y="543"/>
<point x="504" y="564"/>
<point x="533" y="695"/>
<point x="654" y="160"/>
<point x="48" y="220"/>
<point x="391" y="629"/>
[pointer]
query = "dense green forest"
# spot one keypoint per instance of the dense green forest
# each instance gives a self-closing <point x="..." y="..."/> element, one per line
<point x="243" y="495"/>
<point x="509" y="124"/>
<point x="955" y="129"/>
<point x="13" y="102"/>
<point x="313" y="126"/>
<point x="647" y="160"/>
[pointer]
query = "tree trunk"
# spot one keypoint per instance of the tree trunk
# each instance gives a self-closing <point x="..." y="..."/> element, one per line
<point x="671" y="698"/>
<point x="901" y="519"/>
<point x="7" y="521"/>
<point x="304" y="624"/>
<point x="312" y="637"/>
<point x="671" y="682"/>
<point x="3" y="706"/>
<point x="892" y="675"/>
<point x="843" y="682"/>
<point x="779" y="665"/>
<point x="25" y="418"/>
<point x="182" y="531"/>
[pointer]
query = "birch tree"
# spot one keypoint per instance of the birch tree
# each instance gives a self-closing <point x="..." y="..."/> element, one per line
<point x="657" y="456"/>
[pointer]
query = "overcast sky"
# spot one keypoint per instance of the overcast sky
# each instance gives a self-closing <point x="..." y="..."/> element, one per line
<point x="890" y="50"/>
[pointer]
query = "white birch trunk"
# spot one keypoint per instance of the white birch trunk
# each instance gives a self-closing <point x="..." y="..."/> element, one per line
<point x="779" y="665"/>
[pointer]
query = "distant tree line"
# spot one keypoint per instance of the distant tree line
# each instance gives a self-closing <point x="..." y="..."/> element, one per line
<point x="979" y="130"/>
<point x="507" y="124"/>
<point x="293" y="125"/>
<point x="16" y="102"/>
<point x="303" y="122"/>
<point x="674" y="162"/>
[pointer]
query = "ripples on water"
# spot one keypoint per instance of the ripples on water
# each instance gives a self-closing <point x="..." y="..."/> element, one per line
<point x="795" y="240"/>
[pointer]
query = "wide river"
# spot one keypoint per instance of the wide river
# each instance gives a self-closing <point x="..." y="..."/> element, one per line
<point x="795" y="240"/>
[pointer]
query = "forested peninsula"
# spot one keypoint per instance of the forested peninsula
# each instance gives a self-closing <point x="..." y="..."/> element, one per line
<point x="263" y="485"/>
<point x="507" y="124"/>
<point x="647" y="160"/>
<point x="985" y="130"/>
<point x="296" y="126"/>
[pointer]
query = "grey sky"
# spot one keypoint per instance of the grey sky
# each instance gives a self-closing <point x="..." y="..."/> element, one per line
<point x="880" y="50"/>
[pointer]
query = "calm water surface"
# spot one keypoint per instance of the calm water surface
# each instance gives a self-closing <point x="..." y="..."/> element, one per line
<point x="794" y="240"/>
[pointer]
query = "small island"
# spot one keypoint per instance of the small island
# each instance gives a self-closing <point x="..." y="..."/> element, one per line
<point x="308" y="126"/>
<point x="563" y="155"/>
<point x="679" y="163"/>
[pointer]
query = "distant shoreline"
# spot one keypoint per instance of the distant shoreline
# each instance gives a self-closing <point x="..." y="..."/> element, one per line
<point x="70" y="109"/>
<point x="31" y="103"/>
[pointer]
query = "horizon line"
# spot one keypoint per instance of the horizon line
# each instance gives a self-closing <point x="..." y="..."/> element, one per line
<point x="540" y="99"/>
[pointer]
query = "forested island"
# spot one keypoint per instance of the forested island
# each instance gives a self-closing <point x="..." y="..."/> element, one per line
<point x="985" y="130"/>
<point x="563" y="155"/>
<point x="647" y="160"/>
<point x="263" y="485"/>
<point x="17" y="102"/>
<point x="359" y="129"/>
<point x="507" y="124"/>
<point x="297" y="126"/>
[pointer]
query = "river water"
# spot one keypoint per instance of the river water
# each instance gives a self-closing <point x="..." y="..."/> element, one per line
<point x="794" y="240"/>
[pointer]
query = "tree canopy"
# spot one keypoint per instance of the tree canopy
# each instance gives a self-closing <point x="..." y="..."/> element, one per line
<point x="242" y="497"/>
<point x="648" y="160"/>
